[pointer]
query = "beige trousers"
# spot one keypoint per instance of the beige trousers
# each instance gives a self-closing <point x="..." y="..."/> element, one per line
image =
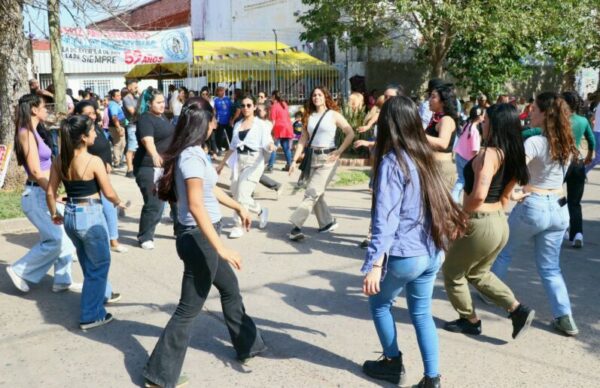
<point x="448" y="170"/>
<point x="250" y="168"/>
<point x="321" y="173"/>
<point x="118" y="141"/>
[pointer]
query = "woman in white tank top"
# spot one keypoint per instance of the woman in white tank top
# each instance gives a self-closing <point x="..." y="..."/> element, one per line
<point x="321" y="107"/>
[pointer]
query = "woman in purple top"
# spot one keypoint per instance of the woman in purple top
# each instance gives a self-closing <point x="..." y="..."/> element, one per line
<point x="413" y="218"/>
<point x="54" y="248"/>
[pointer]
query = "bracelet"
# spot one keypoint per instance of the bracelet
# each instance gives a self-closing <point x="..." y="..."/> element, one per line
<point x="377" y="266"/>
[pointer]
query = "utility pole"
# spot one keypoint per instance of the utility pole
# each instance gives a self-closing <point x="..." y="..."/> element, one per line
<point x="58" y="74"/>
<point x="274" y="83"/>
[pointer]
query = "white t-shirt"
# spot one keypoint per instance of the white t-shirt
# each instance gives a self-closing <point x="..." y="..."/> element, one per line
<point x="325" y="137"/>
<point x="544" y="172"/>
<point x="176" y="106"/>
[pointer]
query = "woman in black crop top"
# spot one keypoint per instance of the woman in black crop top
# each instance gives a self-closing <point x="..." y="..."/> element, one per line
<point x="441" y="130"/>
<point x="489" y="179"/>
<point x="101" y="148"/>
<point x="84" y="176"/>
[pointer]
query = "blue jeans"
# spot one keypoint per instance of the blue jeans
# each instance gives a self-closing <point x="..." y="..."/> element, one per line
<point x="285" y="144"/>
<point x="460" y="180"/>
<point x="132" y="143"/>
<point x="110" y="214"/>
<point x="417" y="274"/>
<point x="597" y="156"/>
<point x="539" y="218"/>
<point x="86" y="226"/>
<point x="53" y="249"/>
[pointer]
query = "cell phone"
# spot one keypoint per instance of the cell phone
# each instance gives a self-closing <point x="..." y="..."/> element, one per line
<point x="562" y="201"/>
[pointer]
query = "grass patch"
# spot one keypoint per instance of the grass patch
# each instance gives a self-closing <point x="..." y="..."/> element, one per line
<point x="10" y="205"/>
<point x="351" y="178"/>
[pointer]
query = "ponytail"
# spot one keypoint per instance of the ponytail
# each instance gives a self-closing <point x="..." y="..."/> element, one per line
<point x="557" y="127"/>
<point x="72" y="130"/>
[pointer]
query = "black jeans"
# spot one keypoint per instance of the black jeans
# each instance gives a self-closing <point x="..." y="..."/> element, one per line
<point x="202" y="268"/>
<point x="575" y="179"/>
<point x="223" y="135"/>
<point x="268" y="182"/>
<point x="153" y="206"/>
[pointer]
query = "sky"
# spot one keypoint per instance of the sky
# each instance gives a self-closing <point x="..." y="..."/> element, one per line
<point x="36" y="19"/>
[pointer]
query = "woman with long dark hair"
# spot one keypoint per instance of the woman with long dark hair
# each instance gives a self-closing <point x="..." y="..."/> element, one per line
<point x="441" y="130"/>
<point x="251" y="139"/>
<point x="54" y="248"/>
<point x="154" y="133"/>
<point x="489" y="180"/>
<point x="101" y="149"/>
<point x="190" y="179"/>
<point x="282" y="129"/>
<point x="84" y="176"/>
<point x="541" y="216"/>
<point x="321" y="121"/>
<point x="413" y="218"/>
<point x="467" y="146"/>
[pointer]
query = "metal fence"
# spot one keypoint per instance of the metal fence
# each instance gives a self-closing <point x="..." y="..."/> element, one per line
<point x="294" y="82"/>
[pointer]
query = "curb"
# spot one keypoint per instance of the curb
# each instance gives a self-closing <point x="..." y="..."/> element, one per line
<point x="15" y="225"/>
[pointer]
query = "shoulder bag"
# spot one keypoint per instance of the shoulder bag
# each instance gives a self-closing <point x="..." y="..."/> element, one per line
<point x="308" y="152"/>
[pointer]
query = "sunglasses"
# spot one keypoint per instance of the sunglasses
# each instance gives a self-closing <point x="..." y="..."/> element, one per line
<point x="247" y="105"/>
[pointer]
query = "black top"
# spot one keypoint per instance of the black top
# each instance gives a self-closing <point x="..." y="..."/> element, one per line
<point x="81" y="189"/>
<point x="154" y="126"/>
<point x="431" y="130"/>
<point x="101" y="146"/>
<point x="499" y="182"/>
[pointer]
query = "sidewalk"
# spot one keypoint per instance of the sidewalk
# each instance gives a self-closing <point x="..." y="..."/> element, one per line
<point x="305" y="297"/>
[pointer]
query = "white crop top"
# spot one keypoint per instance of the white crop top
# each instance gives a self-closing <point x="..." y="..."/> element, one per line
<point x="325" y="137"/>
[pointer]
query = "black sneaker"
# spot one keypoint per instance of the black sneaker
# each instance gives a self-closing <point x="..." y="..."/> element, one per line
<point x="329" y="227"/>
<point x="101" y="322"/>
<point x="430" y="382"/>
<point x="388" y="369"/>
<point x="521" y="320"/>
<point x="296" y="234"/>
<point x="463" y="325"/>
<point x="269" y="169"/>
<point x="129" y="174"/>
<point x="364" y="244"/>
<point x="286" y="168"/>
<point x="258" y="348"/>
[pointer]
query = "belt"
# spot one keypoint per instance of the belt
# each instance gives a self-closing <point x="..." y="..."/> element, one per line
<point x="31" y="183"/>
<point x="83" y="201"/>
<point x="323" y="151"/>
<point x="245" y="150"/>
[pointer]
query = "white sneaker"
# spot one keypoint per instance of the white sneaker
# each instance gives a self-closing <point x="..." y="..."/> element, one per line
<point x="236" y="232"/>
<point x="18" y="281"/>
<point x="578" y="241"/>
<point x="264" y="218"/>
<point x="73" y="287"/>
<point x="147" y="245"/>
<point x="119" y="249"/>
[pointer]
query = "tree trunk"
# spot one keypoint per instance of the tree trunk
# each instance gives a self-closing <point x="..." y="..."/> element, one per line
<point x="13" y="79"/>
<point x="58" y="74"/>
<point x="568" y="80"/>
<point x="331" y="47"/>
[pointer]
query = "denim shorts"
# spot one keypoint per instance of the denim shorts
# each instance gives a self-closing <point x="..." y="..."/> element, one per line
<point x="132" y="143"/>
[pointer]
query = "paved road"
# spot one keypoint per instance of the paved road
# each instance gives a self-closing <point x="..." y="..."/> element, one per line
<point x="305" y="297"/>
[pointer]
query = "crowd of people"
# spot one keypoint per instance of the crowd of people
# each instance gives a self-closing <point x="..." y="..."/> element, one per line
<point x="442" y="179"/>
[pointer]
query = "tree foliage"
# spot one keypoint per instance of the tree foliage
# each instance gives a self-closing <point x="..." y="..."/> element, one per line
<point x="483" y="44"/>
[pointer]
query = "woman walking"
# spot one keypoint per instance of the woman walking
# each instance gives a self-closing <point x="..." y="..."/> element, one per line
<point x="154" y="134"/>
<point x="84" y="177"/>
<point x="262" y="112"/>
<point x="282" y="130"/>
<point x="321" y="121"/>
<point x="441" y="130"/>
<point x="541" y="216"/>
<point x="101" y="149"/>
<point x="54" y="248"/>
<point x="413" y="217"/>
<point x="489" y="181"/>
<point x="251" y="139"/>
<point x="467" y="146"/>
<point x="190" y="179"/>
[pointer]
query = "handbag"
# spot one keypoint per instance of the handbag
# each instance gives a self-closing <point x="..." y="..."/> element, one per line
<point x="308" y="152"/>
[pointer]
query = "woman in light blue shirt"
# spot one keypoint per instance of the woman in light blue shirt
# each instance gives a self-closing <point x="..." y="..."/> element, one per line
<point x="413" y="218"/>
<point x="190" y="180"/>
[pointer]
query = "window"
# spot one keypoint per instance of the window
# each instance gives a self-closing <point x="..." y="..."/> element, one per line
<point x="177" y="82"/>
<point x="45" y="80"/>
<point x="100" y="87"/>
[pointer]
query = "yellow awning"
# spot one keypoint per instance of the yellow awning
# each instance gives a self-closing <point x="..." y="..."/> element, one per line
<point x="159" y="70"/>
<point x="236" y="61"/>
